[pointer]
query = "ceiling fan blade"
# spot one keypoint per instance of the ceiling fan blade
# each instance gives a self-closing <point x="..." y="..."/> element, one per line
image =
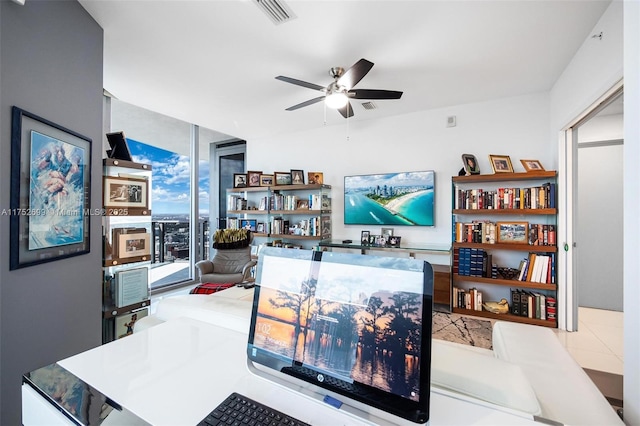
<point x="346" y="111"/>
<point x="306" y="103"/>
<point x="299" y="82"/>
<point x="353" y="75"/>
<point x="373" y="94"/>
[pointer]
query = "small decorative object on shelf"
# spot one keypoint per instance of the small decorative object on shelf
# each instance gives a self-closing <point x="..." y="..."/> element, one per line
<point x="501" y="163"/>
<point x="315" y="178"/>
<point x="532" y="165"/>
<point x="508" y="273"/>
<point x="501" y="307"/>
<point x="394" y="241"/>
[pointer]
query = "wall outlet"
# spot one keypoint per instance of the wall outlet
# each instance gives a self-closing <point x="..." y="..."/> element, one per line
<point x="451" y="121"/>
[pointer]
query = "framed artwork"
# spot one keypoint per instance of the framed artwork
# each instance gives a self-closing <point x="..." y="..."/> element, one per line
<point x="282" y="178"/>
<point x="253" y="178"/>
<point x="124" y="323"/>
<point x="364" y="237"/>
<point x="50" y="191"/>
<point x="125" y="192"/>
<point x="501" y="163"/>
<point x="133" y="245"/>
<point x="394" y="241"/>
<point x="302" y="204"/>
<point x="250" y="224"/>
<point x="315" y="178"/>
<point x="239" y="180"/>
<point x="532" y="165"/>
<point x="260" y="228"/>
<point x="266" y="180"/>
<point x="471" y="166"/>
<point x="297" y="177"/>
<point x="512" y="232"/>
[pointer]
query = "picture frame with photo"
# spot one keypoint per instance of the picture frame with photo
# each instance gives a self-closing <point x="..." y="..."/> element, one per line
<point x="302" y="204"/>
<point x="266" y="180"/>
<point x="261" y="228"/>
<point x="364" y="237"/>
<point x="125" y="193"/>
<point x="512" y="232"/>
<point x="239" y="180"/>
<point x="315" y="178"/>
<point x="471" y="166"/>
<point x="124" y="323"/>
<point x="501" y="163"/>
<point x="394" y="241"/>
<point x="253" y="177"/>
<point x="282" y="178"/>
<point x="297" y="177"/>
<point x="249" y="224"/>
<point x="532" y="165"/>
<point x="132" y="245"/>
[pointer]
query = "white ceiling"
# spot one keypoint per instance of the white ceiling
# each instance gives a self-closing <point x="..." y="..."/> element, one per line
<point x="213" y="62"/>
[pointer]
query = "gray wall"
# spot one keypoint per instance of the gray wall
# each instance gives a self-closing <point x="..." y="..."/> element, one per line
<point x="51" y="66"/>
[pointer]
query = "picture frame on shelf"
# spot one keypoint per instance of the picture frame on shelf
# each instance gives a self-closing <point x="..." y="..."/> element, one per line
<point x="512" y="232"/>
<point x="124" y="323"/>
<point x="471" y="166"/>
<point x="125" y="192"/>
<point x="133" y="245"/>
<point x="302" y="204"/>
<point x="50" y="174"/>
<point x="250" y="224"/>
<point x="261" y="228"/>
<point x="239" y="180"/>
<point x="282" y="178"/>
<point x="501" y="163"/>
<point x="297" y="177"/>
<point x="131" y="286"/>
<point x="386" y="232"/>
<point x="394" y="241"/>
<point x="253" y="177"/>
<point x="532" y="165"/>
<point x="266" y="180"/>
<point x="119" y="146"/>
<point x="364" y="237"/>
<point x="315" y="178"/>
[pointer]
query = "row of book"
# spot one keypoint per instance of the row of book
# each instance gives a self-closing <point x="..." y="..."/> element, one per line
<point x="467" y="299"/>
<point x="533" y="305"/>
<point x="317" y="226"/>
<point x="477" y="262"/>
<point x="282" y="202"/>
<point x="485" y="232"/>
<point x="538" y="268"/>
<point x="235" y="202"/>
<point x="536" y="197"/>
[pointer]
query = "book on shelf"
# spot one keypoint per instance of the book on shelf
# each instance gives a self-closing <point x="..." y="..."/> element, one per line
<point x="535" y="197"/>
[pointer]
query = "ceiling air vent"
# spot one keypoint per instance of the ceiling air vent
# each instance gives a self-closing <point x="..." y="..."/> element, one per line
<point x="369" y="105"/>
<point x="276" y="10"/>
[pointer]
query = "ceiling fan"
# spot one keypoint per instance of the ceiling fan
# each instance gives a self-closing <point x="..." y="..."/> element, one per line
<point x="340" y="91"/>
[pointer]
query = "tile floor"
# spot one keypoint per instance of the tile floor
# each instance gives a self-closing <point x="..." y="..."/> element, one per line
<point x="598" y="343"/>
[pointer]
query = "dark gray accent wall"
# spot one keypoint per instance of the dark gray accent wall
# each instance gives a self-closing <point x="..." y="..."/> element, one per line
<point x="51" y="66"/>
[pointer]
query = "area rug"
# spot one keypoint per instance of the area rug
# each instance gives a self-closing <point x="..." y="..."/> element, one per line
<point x="462" y="329"/>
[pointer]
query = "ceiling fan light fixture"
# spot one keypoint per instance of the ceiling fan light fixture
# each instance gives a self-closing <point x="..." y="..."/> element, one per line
<point x="336" y="100"/>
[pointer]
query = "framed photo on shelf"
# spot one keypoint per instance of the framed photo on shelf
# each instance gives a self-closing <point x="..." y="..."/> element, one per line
<point x="394" y="241"/>
<point x="239" y="180"/>
<point x="253" y="178"/>
<point x="501" y="163"/>
<point x="124" y="323"/>
<point x="315" y="178"/>
<point x="133" y="245"/>
<point x="261" y="228"/>
<point x="532" y="165"/>
<point x="512" y="232"/>
<point x="471" y="166"/>
<point x="282" y="178"/>
<point x="132" y="286"/>
<point x="302" y="205"/>
<point x="50" y="191"/>
<point x="266" y="180"/>
<point x="297" y="177"/>
<point x="250" y="224"/>
<point x="387" y="232"/>
<point x="125" y="192"/>
<point x="364" y="237"/>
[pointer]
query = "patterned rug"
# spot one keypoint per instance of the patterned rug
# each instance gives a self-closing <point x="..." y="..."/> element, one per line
<point x="461" y="329"/>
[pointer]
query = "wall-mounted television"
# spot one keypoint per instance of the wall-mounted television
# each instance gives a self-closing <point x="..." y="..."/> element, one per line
<point x="390" y="199"/>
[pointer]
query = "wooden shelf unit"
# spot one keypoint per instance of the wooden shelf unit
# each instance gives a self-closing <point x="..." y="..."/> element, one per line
<point x="498" y="285"/>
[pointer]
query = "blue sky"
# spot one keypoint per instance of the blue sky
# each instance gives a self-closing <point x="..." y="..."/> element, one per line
<point x="170" y="179"/>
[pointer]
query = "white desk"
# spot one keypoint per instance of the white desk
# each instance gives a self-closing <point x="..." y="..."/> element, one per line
<point x="177" y="372"/>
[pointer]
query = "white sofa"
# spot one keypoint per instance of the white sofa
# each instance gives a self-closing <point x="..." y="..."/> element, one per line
<point x="528" y="369"/>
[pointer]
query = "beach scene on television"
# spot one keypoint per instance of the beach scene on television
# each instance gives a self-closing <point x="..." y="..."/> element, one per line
<point x="390" y="199"/>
